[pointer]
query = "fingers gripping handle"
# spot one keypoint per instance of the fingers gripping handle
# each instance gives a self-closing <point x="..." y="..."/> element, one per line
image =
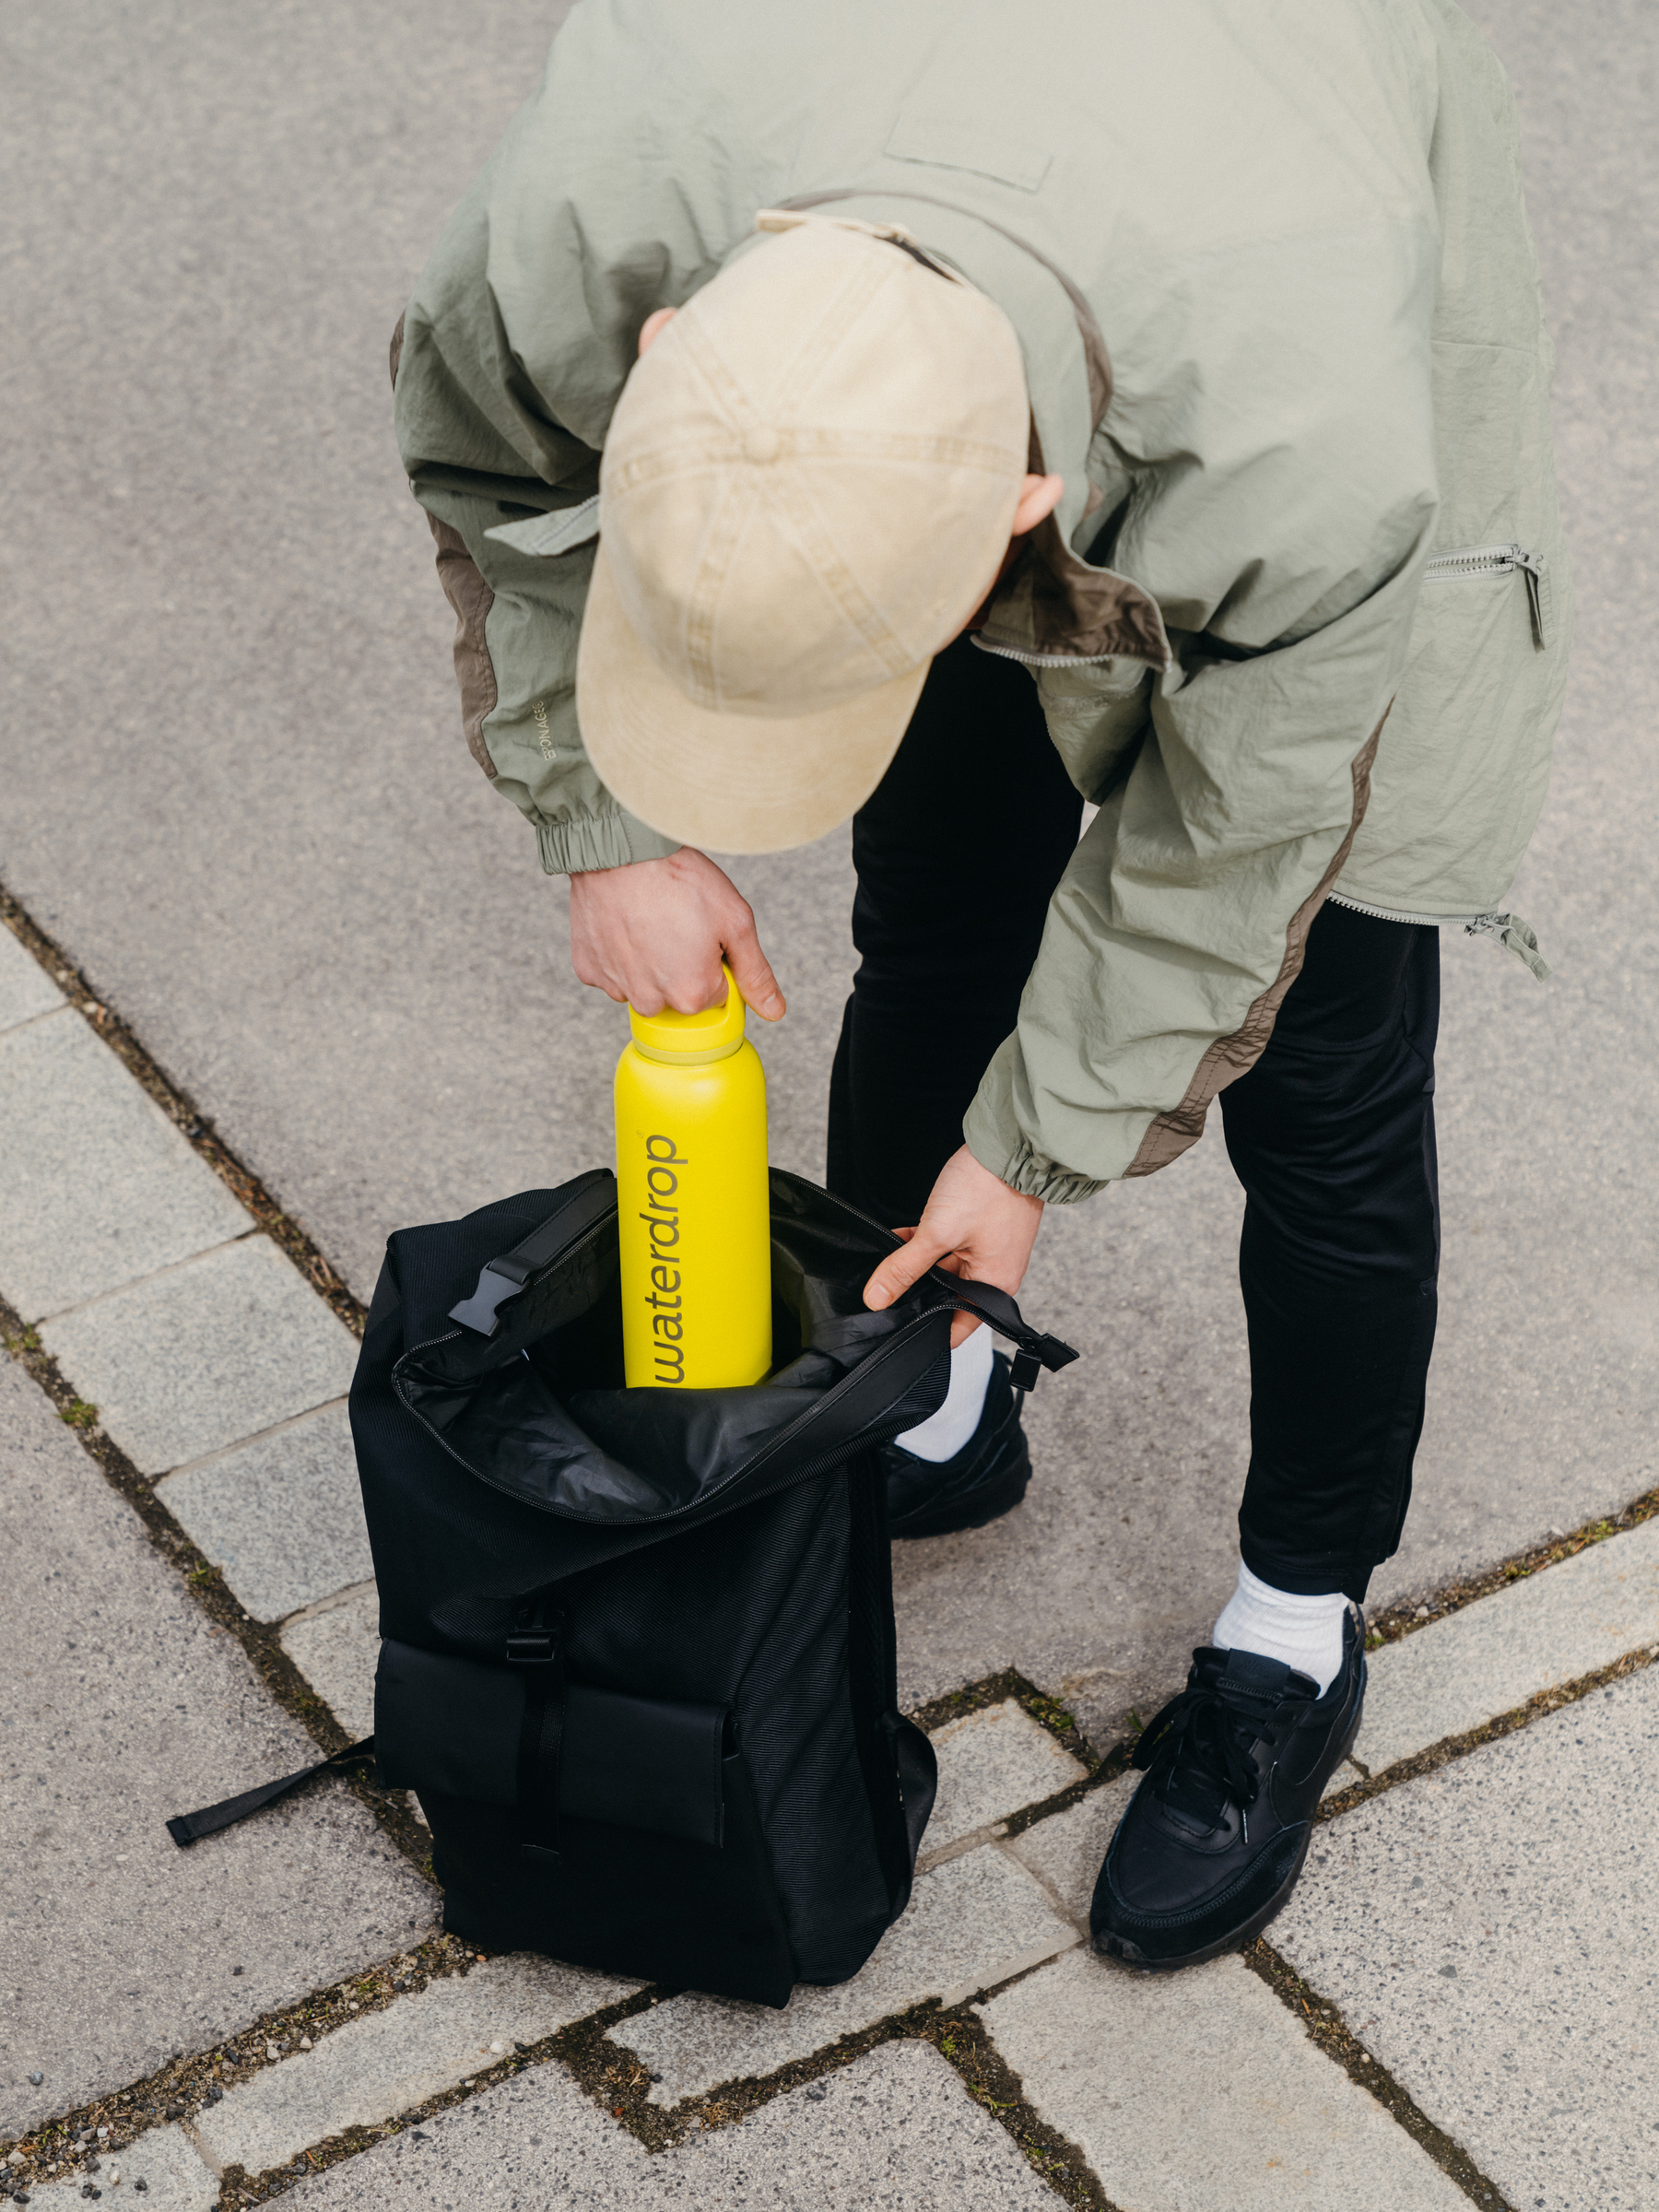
<point x="1032" y="1351"/>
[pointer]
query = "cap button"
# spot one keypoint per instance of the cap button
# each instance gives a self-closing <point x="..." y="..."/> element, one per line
<point x="761" y="444"/>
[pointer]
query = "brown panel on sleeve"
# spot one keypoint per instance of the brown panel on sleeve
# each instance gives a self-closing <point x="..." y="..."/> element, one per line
<point x="465" y="588"/>
<point x="1173" y="1133"/>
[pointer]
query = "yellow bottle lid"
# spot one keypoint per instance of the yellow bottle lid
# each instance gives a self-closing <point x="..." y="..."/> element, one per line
<point x="711" y="1035"/>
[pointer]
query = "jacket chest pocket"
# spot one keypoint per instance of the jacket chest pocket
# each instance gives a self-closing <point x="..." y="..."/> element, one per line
<point x="1470" y="564"/>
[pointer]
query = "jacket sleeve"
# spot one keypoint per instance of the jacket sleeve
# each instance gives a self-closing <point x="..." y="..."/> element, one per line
<point x="1180" y="923"/>
<point x="482" y="448"/>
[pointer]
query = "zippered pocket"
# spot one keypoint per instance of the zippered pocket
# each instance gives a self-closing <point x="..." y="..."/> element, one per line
<point x="1467" y="562"/>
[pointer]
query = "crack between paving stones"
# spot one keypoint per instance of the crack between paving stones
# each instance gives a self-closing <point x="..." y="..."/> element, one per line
<point x="207" y="1585"/>
<point x="156" y="1274"/>
<point x="254" y="1436"/>
<point x="33" y="1021"/>
<point x="1432" y="1757"/>
<point x="1329" y="2032"/>
<point x="180" y="1109"/>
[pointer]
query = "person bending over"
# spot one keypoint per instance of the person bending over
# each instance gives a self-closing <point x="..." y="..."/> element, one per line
<point x="946" y="420"/>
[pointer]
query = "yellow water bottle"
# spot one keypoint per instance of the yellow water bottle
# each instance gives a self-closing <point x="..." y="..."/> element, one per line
<point x="692" y="1205"/>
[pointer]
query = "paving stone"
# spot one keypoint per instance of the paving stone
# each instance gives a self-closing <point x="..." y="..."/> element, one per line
<point x="123" y="1704"/>
<point x="283" y="1516"/>
<point x="970" y="1924"/>
<point x="97" y="1186"/>
<point x="383" y="2064"/>
<point x="174" y="2178"/>
<point x="337" y="1648"/>
<point x="189" y="1362"/>
<point x="1492" y="1934"/>
<point x="25" y="989"/>
<point x="992" y="1763"/>
<point x="1199" y="2092"/>
<point x="1558" y="1624"/>
<point x="895" y="2129"/>
<point x="1064" y="1850"/>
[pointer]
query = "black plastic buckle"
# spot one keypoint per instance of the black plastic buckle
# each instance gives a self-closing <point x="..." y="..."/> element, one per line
<point x="502" y="1279"/>
<point x="533" y="1647"/>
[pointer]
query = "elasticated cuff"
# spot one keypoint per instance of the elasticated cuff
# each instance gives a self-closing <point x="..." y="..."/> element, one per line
<point x="599" y="840"/>
<point x="1014" y="1160"/>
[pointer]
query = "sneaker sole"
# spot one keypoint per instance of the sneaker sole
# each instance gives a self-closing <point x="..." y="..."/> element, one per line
<point x="1122" y="1947"/>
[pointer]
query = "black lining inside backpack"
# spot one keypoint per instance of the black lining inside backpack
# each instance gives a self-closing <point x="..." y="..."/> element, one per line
<point x="449" y="1728"/>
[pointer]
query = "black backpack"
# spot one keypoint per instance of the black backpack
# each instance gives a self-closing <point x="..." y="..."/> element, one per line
<point x="638" y="1656"/>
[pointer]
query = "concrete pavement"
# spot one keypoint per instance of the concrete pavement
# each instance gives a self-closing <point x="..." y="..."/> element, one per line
<point x="236" y="796"/>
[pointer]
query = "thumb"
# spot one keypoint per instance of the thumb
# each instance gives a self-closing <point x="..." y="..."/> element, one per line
<point x="753" y="972"/>
<point x="900" y="1269"/>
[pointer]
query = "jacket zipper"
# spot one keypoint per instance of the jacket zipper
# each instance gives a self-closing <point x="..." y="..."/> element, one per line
<point x="1509" y="930"/>
<point x="1499" y="560"/>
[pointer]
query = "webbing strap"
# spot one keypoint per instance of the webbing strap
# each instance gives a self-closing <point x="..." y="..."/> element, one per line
<point x="918" y="1765"/>
<point x="1033" y="1349"/>
<point x="186" y="1829"/>
<point x="505" y="1277"/>
<point x="535" y="1649"/>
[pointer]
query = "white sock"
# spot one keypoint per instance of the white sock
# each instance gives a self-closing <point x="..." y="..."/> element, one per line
<point x="1305" y="1632"/>
<point x="941" y="1435"/>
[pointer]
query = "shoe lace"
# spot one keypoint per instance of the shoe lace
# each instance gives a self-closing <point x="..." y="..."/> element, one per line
<point x="1205" y="1738"/>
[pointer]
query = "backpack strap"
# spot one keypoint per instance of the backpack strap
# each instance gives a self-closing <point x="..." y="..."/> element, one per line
<point x="535" y="1650"/>
<point x="1034" y="1351"/>
<point x="504" y="1276"/>
<point x="186" y="1829"/>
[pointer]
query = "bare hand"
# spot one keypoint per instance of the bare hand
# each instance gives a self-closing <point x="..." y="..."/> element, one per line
<point x="973" y="1226"/>
<point x="653" y="934"/>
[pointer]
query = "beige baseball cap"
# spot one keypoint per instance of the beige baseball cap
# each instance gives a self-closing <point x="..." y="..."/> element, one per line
<point x="807" y="489"/>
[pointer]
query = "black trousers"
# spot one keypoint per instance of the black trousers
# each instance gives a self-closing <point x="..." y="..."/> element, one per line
<point x="1331" y="1133"/>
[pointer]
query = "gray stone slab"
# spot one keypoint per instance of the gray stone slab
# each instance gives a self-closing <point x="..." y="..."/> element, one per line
<point x="26" y="990"/>
<point x="970" y="1923"/>
<point x="123" y="1706"/>
<point x="1199" y="2092"/>
<point x="283" y="1516"/>
<point x="174" y="2178"/>
<point x="188" y="1362"/>
<point x="337" y="1648"/>
<point x="390" y="2060"/>
<point x="991" y="1764"/>
<point x="1491" y="1932"/>
<point x="1065" y="1851"/>
<point x="894" y="2129"/>
<point x="97" y="1186"/>
<point x="1554" y="1626"/>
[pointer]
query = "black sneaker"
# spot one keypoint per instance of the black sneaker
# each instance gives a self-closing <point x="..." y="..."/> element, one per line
<point x="1214" y="1837"/>
<point x="988" y="1476"/>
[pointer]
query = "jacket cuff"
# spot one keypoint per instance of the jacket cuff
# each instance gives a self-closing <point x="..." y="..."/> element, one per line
<point x="599" y="840"/>
<point x="1012" y="1158"/>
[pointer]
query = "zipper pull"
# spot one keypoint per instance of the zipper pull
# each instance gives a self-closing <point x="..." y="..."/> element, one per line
<point x="1535" y="569"/>
<point x="1516" y="935"/>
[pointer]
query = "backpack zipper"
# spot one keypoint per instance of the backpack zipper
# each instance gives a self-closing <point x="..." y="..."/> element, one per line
<point x="880" y="1433"/>
<point x="1499" y="560"/>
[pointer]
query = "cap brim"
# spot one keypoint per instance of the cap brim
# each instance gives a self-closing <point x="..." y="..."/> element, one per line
<point x="738" y="782"/>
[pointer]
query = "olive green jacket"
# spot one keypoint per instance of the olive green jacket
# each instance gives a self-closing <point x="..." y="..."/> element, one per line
<point x="1299" y="624"/>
